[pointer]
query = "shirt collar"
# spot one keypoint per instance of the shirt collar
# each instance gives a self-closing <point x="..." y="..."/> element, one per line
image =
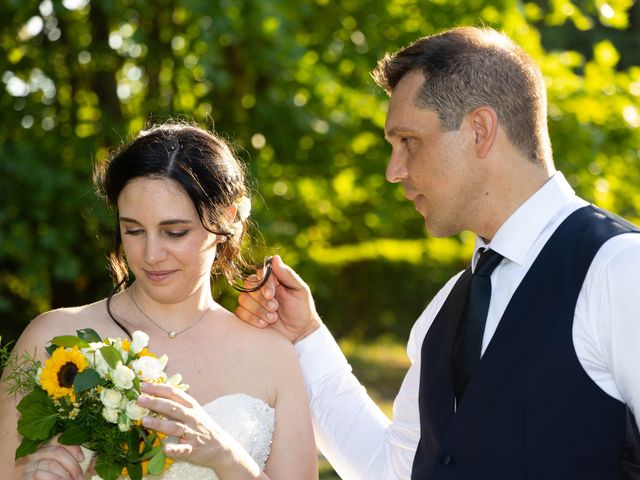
<point x="516" y="236"/>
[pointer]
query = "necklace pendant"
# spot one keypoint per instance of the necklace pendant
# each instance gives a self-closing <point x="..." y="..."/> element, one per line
<point x="172" y="334"/>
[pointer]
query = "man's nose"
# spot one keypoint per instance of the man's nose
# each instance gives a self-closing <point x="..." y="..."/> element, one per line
<point x="397" y="167"/>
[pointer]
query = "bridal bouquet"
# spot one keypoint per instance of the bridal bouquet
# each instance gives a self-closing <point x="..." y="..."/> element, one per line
<point x="86" y="392"/>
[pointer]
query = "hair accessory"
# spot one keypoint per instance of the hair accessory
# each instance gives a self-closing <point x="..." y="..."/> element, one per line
<point x="244" y="208"/>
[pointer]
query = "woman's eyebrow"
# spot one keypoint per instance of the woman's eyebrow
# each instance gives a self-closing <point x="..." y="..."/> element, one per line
<point x="172" y="221"/>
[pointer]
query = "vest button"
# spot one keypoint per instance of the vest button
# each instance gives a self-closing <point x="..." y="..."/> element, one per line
<point x="445" y="459"/>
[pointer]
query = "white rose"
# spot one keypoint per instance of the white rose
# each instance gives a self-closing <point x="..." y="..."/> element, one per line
<point x="110" y="414"/>
<point x="111" y="398"/>
<point x="139" y="341"/>
<point x="135" y="411"/>
<point x="122" y="377"/>
<point x="150" y="369"/>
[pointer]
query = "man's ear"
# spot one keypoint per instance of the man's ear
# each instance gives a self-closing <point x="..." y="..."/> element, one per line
<point x="484" y="121"/>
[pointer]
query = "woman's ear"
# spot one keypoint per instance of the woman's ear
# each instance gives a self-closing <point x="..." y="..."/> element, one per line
<point x="230" y="213"/>
<point x="484" y="121"/>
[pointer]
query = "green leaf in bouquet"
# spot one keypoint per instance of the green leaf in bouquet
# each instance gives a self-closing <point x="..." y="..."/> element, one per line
<point x="27" y="447"/>
<point x="38" y="416"/>
<point x="151" y="453"/>
<point x="75" y="435"/>
<point x="51" y="348"/>
<point x="86" y="380"/>
<point x="156" y="464"/>
<point x="89" y="335"/>
<point x="131" y="394"/>
<point x="133" y="443"/>
<point x="108" y="470"/>
<point x="111" y="355"/>
<point x="134" y="470"/>
<point x="69" y="341"/>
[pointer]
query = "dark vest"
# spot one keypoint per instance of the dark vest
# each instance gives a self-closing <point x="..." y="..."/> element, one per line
<point x="529" y="411"/>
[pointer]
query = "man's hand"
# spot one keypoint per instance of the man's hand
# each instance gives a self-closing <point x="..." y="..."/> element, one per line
<point x="283" y="303"/>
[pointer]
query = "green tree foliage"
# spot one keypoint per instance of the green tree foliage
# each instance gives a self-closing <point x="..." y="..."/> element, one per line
<point x="288" y="83"/>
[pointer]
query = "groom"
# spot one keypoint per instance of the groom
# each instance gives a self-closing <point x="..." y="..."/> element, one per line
<point x="525" y="365"/>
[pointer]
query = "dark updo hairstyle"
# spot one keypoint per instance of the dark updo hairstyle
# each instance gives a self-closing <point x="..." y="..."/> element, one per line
<point x="204" y="167"/>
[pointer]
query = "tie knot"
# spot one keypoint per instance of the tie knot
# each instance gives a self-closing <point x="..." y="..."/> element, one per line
<point x="487" y="263"/>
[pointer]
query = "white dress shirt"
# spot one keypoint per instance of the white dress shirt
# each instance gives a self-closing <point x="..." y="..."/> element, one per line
<point x="361" y="442"/>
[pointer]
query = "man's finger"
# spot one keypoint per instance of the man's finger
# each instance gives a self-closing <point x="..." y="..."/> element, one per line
<point x="286" y="275"/>
<point x="249" y="317"/>
<point x="259" y="306"/>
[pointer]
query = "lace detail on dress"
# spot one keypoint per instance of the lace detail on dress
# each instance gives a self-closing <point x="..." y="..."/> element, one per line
<point x="247" y="419"/>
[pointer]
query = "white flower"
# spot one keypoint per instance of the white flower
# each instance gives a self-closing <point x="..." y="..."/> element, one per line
<point x="150" y="369"/>
<point x="122" y="377"/>
<point x="135" y="411"/>
<point x="244" y="208"/>
<point x="111" y="398"/>
<point x="175" y="381"/>
<point x="110" y="414"/>
<point x="139" y="341"/>
<point x="95" y="358"/>
<point x="124" y="422"/>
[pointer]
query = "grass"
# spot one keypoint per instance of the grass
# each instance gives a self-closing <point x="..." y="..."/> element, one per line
<point x="380" y="366"/>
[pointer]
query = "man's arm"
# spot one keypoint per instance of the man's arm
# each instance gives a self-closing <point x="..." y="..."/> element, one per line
<point x="351" y="431"/>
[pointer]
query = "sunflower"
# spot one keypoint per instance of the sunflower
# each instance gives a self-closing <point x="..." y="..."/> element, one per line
<point x="60" y="370"/>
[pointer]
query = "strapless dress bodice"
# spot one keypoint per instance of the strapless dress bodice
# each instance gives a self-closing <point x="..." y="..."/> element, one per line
<point x="247" y="419"/>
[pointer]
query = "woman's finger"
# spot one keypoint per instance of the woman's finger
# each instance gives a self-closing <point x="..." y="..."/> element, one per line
<point x="163" y="406"/>
<point x="168" y="392"/>
<point x="166" y="426"/>
<point x="55" y="461"/>
<point x="178" y="449"/>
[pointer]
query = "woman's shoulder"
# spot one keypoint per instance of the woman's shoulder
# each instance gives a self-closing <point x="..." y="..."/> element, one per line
<point x="264" y="343"/>
<point x="61" y="321"/>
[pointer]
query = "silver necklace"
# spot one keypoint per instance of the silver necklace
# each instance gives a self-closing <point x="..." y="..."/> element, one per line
<point x="170" y="333"/>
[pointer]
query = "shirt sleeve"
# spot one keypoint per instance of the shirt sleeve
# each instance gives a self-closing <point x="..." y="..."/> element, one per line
<point x="355" y="436"/>
<point x="611" y="305"/>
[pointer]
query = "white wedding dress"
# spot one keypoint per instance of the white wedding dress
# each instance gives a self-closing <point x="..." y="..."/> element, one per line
<point x="247" y="419"/>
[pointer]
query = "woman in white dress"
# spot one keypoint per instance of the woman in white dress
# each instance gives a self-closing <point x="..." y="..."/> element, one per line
<point x="182" y="205"/>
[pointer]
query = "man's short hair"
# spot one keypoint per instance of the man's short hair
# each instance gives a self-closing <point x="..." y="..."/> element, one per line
<point x="468" y="67"/>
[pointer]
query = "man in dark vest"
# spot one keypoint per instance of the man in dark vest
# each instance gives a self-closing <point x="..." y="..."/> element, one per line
<point x="527" y="364"/>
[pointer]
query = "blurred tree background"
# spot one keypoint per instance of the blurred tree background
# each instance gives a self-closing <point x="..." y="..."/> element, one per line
<point x="288" y="83"/>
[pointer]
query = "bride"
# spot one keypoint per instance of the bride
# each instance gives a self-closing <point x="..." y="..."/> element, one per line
<point x="182" y="204"/>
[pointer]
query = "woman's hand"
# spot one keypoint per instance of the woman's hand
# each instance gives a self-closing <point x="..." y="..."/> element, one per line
<point x="54" y="461"/>
<point x="201" y="440"/>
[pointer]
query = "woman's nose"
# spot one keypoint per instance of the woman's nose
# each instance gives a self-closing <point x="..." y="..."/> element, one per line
<point x="155" y="250"/>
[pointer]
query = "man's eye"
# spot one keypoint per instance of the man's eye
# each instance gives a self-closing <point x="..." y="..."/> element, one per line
<point x="406" y="140"/>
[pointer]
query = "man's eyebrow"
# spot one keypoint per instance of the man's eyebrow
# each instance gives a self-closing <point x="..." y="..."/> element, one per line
<point x="172" y="221"/>
<point x="397" y="130"/>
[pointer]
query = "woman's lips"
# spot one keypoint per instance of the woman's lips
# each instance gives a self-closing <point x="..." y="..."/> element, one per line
<point x="159" y="275"/>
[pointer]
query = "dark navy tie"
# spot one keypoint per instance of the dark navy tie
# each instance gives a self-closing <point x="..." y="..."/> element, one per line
<point x="468" y="342"/>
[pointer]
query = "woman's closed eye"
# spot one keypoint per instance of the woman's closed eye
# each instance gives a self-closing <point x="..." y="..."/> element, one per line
<point x="134" y="231"/>
<point x="176" y="233"/>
